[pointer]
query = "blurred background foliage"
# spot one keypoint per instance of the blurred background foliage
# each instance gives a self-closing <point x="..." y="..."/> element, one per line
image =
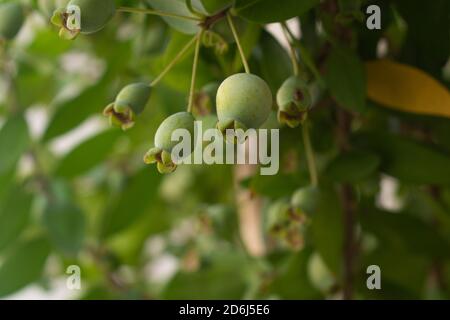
<point x="75" y="192"/>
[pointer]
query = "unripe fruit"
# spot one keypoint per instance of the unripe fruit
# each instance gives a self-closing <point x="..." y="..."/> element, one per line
<point x="294" y="101"/>
<point x="243" y="101"/>
<point x="94" y="15"/>
<point x="161" y="153"/>
<point x="130" y="102"/>
<point x="319" y="274"/>
<point x="305" y="200"/>
<point x="11" y="19"/>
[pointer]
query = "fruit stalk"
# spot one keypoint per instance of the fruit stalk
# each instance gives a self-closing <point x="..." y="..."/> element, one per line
<point x="292" y="53"/>
<point x="194" y="71"/>
<point x="310" y="155"/>
<point x="174" y="61"/>
<point x="238" y="43"/>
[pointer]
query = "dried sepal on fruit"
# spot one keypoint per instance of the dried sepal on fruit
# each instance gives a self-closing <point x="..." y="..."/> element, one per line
<point x="130" y="101"/>
<point x="294" y="101"/>
<point x="161" y="154"/>
<point x="83" y="16"/>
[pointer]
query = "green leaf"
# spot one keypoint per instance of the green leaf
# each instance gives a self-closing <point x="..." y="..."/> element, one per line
<point x="266" y="11"/>
<point x="353" y="166"/>
<point x="346" y="79"/>
<point x="327" y="229"/>
<point x="178" y="7"/>
<point x="87" y="155"/>
<point x="295" y="271"/>
<point x="14" y="141"/>
<point x="23" y="265"/>
<point x="404" y="232"/>
<point x="66" y="226"/>
<point x="210" y="282"/>
<point x="214" y="6"/>
<point x="275" y="64"/>
<point x="131" y="202"/>
<point x="427" y="52"/>
<point x="14" y="215"/>
<point x="71" y="113"/>
<point x="407" y="160"/>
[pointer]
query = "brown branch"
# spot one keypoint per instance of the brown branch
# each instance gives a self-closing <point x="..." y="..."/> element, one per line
<point x="350" y="249"/>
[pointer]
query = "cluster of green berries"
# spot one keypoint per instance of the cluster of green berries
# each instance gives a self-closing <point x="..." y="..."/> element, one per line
<point x="287" y="219"/>
<point x="242" y="101"/>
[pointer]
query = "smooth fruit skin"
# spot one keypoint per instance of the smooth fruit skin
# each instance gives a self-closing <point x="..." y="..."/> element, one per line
<point x="181" y="120"/>
<point x="11" y="19"/>
<point x="95" y="14"/>
<point x="294" y="91"/>
<point x="134" y="96"/>
<point x="245" y="98"/>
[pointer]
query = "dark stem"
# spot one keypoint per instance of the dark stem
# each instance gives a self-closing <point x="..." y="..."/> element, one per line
<point x="349" y="211"/>
<point x="211" y="20"/>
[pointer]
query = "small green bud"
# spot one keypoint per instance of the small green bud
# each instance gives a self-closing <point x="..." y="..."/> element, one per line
<point x="294" y="101"/>
<point x="130" y="101"/>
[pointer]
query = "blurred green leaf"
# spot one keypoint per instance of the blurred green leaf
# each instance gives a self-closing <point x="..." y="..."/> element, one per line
<point x="295" y="271"/>
<point x="407" y="160"/>
<point x="137" y="195"/>
<point x="87" y="155"/>
<point x="213" y="6"/>
<point x="23" y="265"/>
<point x="66" y="226"/>
<point x="275" y="64"/>
<point x="212" y="281"/>
<point x="14" y="141"/>
<point x="346" y="79"/>
<point x="404" y="232"/>
<point x="266" y="11"/>
<point x="14" y="215"/>
<point x="353" y="166"/>
<point x="178" y="7"/>
<point x="327" y="229"/>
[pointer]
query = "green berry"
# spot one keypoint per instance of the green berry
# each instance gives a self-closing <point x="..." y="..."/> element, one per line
<point x="130" y="101"/>
<point x="94" y="15"/>
<point x="243" y="101"/>
<point x="161" y="153"/>
<point x="305" y="200"/>
<point x="11" y="19"/>
<point x="319" y="274"/>
<point x="294" y="101"/>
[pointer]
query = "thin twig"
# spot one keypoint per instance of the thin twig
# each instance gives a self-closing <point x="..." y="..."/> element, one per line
<point x="174" y="61"/>
<point x="238" y="43"/>
<point x="194" y="71"/>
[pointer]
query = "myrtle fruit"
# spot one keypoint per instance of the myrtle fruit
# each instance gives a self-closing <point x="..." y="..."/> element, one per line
<point x="83" y="16"/>
<point x="294" y="101"/>
<point x="286" y="224"/>
<point x="11" y="19"/>
<point x="319" y="274"/>
<point x="130" y="102"/>
<point x="161" y="153"/>
<point x="304" y="200"/>
<point x="243" y="101"/>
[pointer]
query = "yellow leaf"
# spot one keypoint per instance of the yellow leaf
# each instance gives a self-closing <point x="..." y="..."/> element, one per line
<point x="406" y="88"/>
